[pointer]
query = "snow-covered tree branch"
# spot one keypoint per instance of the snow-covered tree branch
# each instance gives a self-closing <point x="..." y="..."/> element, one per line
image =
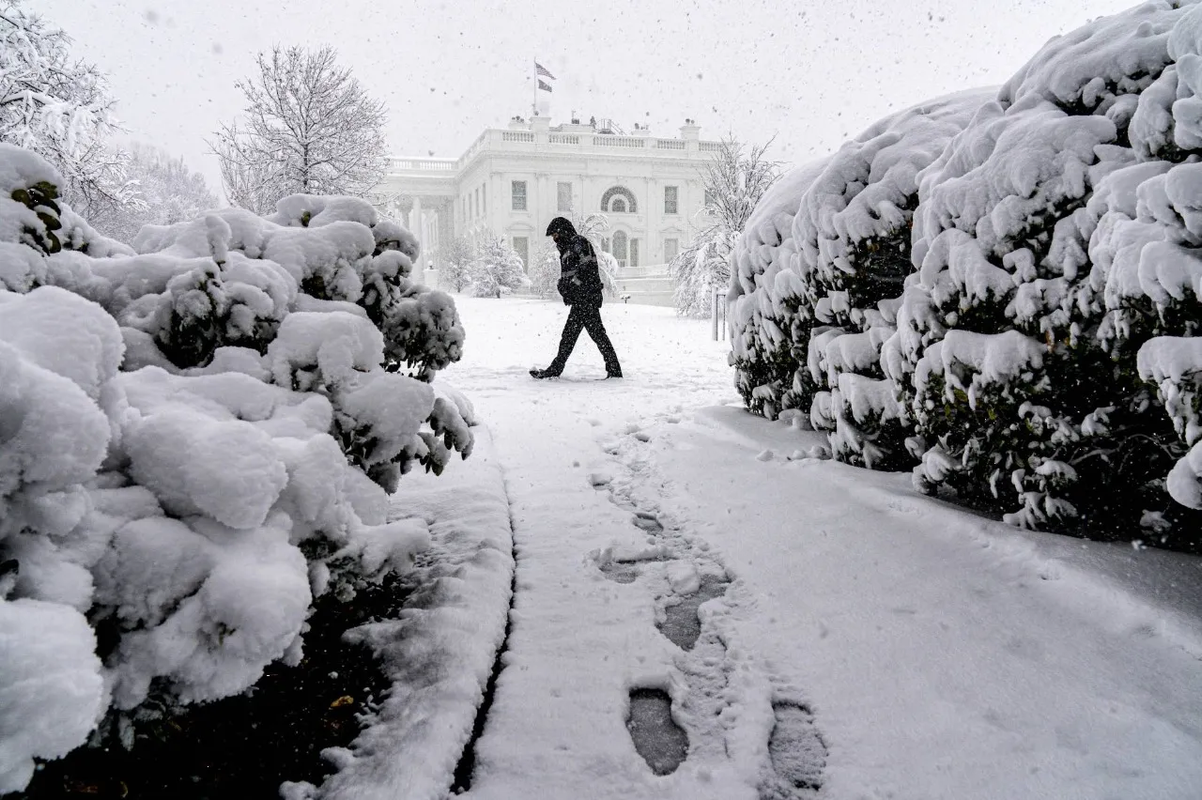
<point x="734" y="182"/>
<point x="167" y="192"/>
<point x="308" y="128"/>
<point x="60" y="109"/>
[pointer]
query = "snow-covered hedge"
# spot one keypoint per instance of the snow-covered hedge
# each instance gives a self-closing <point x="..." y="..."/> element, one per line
<point x="853" y="228"/>
<point x="196" y="440"/>
<point x="769" y="323"/>
<point x="826" y="247"/>
<point x="1042" y="357"/>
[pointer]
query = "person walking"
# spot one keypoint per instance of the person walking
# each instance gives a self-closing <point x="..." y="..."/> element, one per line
<point x="580" y="287"/>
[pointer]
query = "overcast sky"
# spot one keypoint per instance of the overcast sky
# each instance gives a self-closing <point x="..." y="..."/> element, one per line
<point x="809" y="73"/>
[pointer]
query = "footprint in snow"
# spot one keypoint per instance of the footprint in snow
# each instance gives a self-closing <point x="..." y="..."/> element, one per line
<point x="656" y="736"/>
<point x="600" y="480"/>
<point x="797" y="754"/>
<point x="625" y="568"/>
<point x="682" y="624"/>
<point x="620" y="571"/>
<point x="648" y="522"/>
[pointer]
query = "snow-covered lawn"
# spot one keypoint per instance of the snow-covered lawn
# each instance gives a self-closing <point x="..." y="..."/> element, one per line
<point x="887" y="644"/>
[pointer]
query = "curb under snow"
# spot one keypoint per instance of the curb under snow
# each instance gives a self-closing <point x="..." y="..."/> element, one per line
<point x="440" y="652"/>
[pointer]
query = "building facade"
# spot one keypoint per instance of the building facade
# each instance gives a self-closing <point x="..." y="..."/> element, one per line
<point x="513" y="181"/>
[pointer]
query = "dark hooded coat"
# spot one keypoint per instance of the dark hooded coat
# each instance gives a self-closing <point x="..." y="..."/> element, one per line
<point x="579" y="272"/>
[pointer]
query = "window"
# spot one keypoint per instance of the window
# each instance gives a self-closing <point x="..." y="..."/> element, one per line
<point x="619" y="252"/>
<point x="521" y="246"/>
<point x="477" y="204"/>
<point x="671" y="249"/>
<point x="519" y="195"/>
<point x="610" y="199"/>
<point x="564" y="190"/>
<point x="484" y="198"/>
<point x="618" y="206"/>
<point x="634" y="252"/>
<point x="710" y="200"/>
<point x="670" y="198"/>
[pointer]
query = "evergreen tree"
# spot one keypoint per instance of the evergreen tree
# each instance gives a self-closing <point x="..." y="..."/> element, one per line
<point x="456" y="272"/>
<point x="497" y="269"/>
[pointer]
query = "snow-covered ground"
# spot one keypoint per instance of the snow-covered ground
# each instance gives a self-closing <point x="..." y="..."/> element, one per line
<point x="861" y="637"/>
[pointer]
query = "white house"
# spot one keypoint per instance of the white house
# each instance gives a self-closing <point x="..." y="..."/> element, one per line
<point x="515" y="180"/>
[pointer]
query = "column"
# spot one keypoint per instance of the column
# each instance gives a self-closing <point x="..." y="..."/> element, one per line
<point x="446" y="230"/>
<point x="652" y="250"/>
<point x="417" y="229"/>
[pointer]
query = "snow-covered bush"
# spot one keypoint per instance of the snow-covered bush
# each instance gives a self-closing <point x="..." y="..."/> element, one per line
<point x="455" y="272"/>
<point x="544" y="270"/>
<point x="1040" y="358"/>
<point x="1053" y="242"/>
<point x="768" y="320"/>
<point x="497" y="268"/>
<point x="824" y="248"/>
<point x="194" y="447"/>
<point x="853" y="235"/>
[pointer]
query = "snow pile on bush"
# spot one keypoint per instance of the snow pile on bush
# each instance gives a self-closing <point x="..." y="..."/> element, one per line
<point x="828" y="243"/>
<point x="1042" y="357"/>
<point x="196" y="441"/>
<point x="1052" y="244"/>
<point x="854" y="233"/>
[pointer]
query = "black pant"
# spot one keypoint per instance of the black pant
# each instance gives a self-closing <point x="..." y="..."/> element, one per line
<point x="585" y="317"/>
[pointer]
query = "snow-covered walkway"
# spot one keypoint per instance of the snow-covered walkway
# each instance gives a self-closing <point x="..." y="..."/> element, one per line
<point x="854" y="636"/>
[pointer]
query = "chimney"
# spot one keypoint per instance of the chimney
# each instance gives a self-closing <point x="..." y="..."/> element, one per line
<point x="542" y="127"/>
<point x="691" y="133"/>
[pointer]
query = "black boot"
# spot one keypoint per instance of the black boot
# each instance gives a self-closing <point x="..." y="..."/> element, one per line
<point x="548" y="372"/>
<point x="616" y="372"/>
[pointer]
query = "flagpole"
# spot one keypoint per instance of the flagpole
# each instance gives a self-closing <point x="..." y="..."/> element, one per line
<point x="534" y="105"/>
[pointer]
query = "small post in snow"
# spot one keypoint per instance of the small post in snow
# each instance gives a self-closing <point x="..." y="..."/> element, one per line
<point x="718" y="307"/>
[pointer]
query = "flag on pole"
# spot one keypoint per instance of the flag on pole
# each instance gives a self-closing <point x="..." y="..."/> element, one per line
<point x="546" y="87"/>
<point x="539" y="69"/>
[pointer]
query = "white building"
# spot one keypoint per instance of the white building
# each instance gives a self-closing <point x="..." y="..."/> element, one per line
<point x="513" y="181"/>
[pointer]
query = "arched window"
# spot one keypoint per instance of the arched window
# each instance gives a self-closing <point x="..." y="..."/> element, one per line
<point x="619" y="252"/>
<point x="619" y="196"/>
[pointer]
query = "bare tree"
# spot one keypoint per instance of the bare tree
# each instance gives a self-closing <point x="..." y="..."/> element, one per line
<point x="60" y="109"/>
<point x="309" y="128"/>
<point x="734" y="182"/>
<point x="168" y="192"/>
